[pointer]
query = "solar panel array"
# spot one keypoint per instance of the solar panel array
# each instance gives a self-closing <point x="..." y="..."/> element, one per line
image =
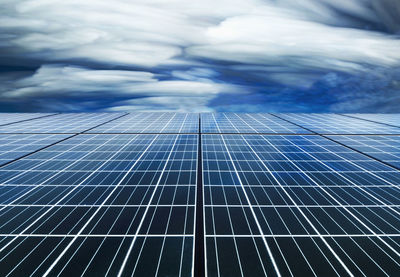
<point x="183" y="194"/>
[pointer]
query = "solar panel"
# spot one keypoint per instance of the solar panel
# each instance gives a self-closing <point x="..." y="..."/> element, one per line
<point x="270" y="209"/>
<point x="7" y="118"/>
<point x="338" y="124"/>
<point x="247" y="123"/>
<point x="16" y="145"/>
<point x="76" y="199"/>
<point x="152" y="123"/>
<point x="60" y="123"/>
<point x="186" y="194"/>
<point x="391" y="119"/>
<point x="383" y="148"/>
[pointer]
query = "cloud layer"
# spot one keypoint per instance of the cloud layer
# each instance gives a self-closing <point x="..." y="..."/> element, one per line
<point x="271" y="55"/>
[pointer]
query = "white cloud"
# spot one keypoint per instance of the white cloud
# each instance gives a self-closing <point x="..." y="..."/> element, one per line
<point x="145" y="87"/>
<point x="150" y="33"/>
<point x="273" y="38"/>
<point x="58" y="79"/>
<point x="292" y="43"/>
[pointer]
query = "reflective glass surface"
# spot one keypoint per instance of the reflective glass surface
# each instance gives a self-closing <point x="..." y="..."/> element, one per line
<point x="187" y="194"/>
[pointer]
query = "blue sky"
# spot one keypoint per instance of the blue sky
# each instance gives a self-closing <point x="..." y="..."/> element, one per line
<point x="200" y="56"/>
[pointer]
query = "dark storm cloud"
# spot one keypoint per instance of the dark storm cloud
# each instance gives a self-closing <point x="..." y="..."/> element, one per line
<point x="276" y="55"/>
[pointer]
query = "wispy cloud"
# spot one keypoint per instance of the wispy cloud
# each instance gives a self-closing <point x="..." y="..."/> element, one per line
<point x="271" y="38"/>
<point x="188" y="55"/>
<point x="143" y="88"/>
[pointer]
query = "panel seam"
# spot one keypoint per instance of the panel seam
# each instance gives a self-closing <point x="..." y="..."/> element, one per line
<point x="199" y="253"/>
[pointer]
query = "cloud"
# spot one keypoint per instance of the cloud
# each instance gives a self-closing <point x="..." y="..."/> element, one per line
<point x="151" y="33"/>
<point x="162" y="103"/>
<point x="116" y="54"/>
<point x="58" y="79"/>
<point x="270" y="38"/>
<point x="61" y="81"/>
<point x="379" y="15"/>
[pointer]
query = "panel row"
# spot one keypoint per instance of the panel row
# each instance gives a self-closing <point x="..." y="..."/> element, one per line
<point x="8" y="118"/>
<point x="96" y="256"/>
<point x="391" y="119"/>
<point x="60" y="123"/>
<point x="15" y="146"/>
<point x="383" y="148"/>
<point x="152" y="123"/>
<point x="339" y="124"/>
<point x="247" y="123"/>
<point x="261" y="123"/>
<point x="302" y="256"/>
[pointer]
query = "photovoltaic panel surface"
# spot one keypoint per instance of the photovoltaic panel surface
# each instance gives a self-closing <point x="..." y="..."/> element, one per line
<point x="152" y="123"/>
<point x="60" y="123"/>
<point x="391" y="119"/>
<point x="182" y="194"/>
<point x="247" y="123"/>
<point x="16" y="146"/>
<point x="297" y="205"/>
<point x="383" y="148"/>
<point x="7" y="118"/>
<point x="338" y="124"/>
<point x="100" y="205"/>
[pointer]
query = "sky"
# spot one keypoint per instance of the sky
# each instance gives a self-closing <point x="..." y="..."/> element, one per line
<point x="200" y="55"/>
